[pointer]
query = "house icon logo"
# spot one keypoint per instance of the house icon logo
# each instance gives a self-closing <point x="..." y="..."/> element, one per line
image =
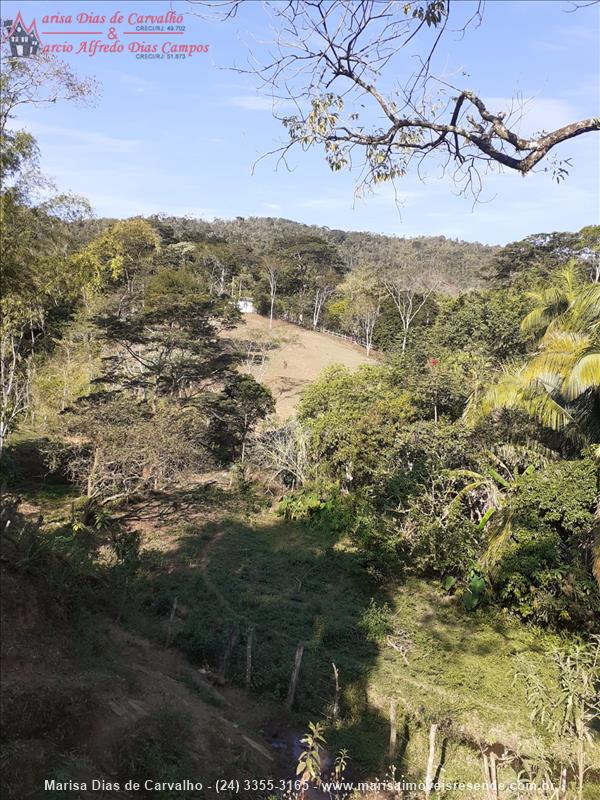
<point x="23" y="39"/>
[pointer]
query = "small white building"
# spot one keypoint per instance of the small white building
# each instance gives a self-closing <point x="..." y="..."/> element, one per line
<point x="246" y="305"/>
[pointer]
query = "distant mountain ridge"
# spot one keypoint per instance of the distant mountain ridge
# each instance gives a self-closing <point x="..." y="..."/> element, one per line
<point x="461" y="265"/>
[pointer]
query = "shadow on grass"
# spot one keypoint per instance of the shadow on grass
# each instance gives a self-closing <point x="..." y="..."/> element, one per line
<point x="25" y="469"/>
<point x="281" y="584"/>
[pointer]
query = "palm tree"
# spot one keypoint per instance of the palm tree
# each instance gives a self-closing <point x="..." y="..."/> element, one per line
<point x="559" y="385"/>
<point x="552" y="302"/>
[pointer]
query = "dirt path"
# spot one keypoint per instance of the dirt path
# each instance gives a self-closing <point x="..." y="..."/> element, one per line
<point x="299" y="357"/>
<point x="162" y="677"/>
<point x="204" y="564"/>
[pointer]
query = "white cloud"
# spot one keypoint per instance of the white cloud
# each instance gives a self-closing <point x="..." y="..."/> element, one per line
<point x="251" y="102"/>
<point x="255" y="102"/>
<point x="100" y="143"/>
<point x="272" y="206"/>
<point x="529" y="114"/>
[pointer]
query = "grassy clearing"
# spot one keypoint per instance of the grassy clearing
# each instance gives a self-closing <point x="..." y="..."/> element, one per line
<point x="283" y="580"/>
<point x="298" y="357"/>
<point x="294" y="584"/>
<point x="461" y="664"/>
<point x="230" y="567"/>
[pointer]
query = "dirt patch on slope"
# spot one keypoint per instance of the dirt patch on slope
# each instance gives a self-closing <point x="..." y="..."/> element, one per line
<point x="297" y="358"/>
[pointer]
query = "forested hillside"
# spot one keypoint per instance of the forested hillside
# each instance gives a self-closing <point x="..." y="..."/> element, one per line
<point x="458" y="265"/>
<point x="409" y="564"/>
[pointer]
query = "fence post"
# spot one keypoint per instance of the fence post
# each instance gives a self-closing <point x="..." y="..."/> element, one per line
<point x="486" y="772"/>
<point x="429" y="773"/>
<point x="171" y="620"/>
<point x="494" y="774"/>
<point x="231" y="643"/>
<point x="249" y="640"/>
<point x="393" y="729"/>
<point x="336" y="701"/>
<point x="295" y="674"/>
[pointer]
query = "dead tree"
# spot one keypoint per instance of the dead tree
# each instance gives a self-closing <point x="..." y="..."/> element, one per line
<point x="272" y="278"/>
<point x="409" y="293"/>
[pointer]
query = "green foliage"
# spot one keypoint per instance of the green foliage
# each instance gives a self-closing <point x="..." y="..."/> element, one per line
<point x="472" y="597"/>
<point x="81" y="565"/>
<point x="171" y="398"/>
<point x="375" y="621"/>
<point x="112" y="344"/>
<point x="301" y="506"/>
<point x="157" y="750"/>
<point x="558" y="386"/>
<point x="440" y="386"/>
<point x="117" y="254"/>
<point x="486" y="321"/>
<point x="308" y="767"/>
<point x="324" y="507"/>
<point x="567" y="717"/>
<point x="544" y="573"/>
<point x="354" y="420"/>
<point x="524" y="263"/>
<point x="234" y="412"/>
<point x="562" y="496"/>
<point x="439" y="540"/>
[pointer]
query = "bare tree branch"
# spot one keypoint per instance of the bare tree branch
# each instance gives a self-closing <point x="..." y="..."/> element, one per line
<point x="336" y="63"/>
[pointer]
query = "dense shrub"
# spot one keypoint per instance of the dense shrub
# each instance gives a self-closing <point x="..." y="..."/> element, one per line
<point x="353" y="420"/>
<point x="546" y="582"/>
<point x="324" y="507"/>
<point x="436" y="545"/>
<point x="544" y="574"/>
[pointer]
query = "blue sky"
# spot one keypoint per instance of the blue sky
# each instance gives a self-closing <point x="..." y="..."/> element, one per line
<point x="182" y="136"/>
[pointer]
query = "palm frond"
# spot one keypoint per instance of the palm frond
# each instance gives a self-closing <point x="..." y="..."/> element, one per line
<point x="500" y="535"/>
<point x="538" y="318"/>
<point x="554" y="302"/>
<point x="584" y="313"/>
<point x="518" y="392"/>
<point x="584" y="375"/>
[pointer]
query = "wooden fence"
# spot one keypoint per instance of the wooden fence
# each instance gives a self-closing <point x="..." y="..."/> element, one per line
<point x="326" y="331"/>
